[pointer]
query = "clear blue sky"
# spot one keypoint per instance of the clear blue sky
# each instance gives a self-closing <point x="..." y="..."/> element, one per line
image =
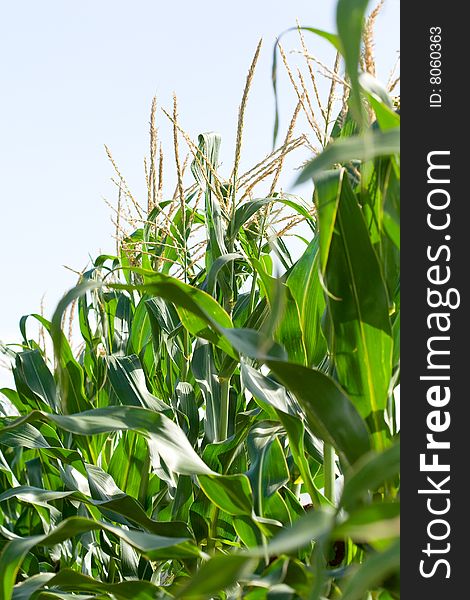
<point x="76" y="75"/>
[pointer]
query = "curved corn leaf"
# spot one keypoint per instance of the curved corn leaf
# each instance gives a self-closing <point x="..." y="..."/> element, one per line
<point x="198" y="311"/>
<point x="110" y="505"/>
<point x="128" y="380"/>
<point x="231" y="493"/>
<point x="34" y="380"/>
<point x="249" y="208"/>
<point x="216" y="266"/>
<point x="221" y="572"/>
<point x="268" y="470"/>
<point x="330" y="414"/>
<point x="217" y="574"/>
<point x="363" y="147"/>
<point x="373" y="572"/>
<point x="167" y="437"/>
<point x="152" y="546"/>
<point x="69" y="580"/>
<point x="371" y="523"/>
<point x="369" y="473"/>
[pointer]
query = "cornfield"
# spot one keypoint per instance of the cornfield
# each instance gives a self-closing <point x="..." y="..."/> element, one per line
<point x="227" y="426"/>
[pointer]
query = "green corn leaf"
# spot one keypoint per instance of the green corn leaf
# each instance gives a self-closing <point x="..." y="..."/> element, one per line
<point x="34" y="380"/>
<point x="129" y="464"/>
<point x="304" y="284"/>
<point x="254" y="344"/>
<point x="350" y="21"/>
<point x="231" y="493"/>
<point x="198" y="311"/>
<point x="371" y="523"/>
<point x="217" y="574"/>
<point x="72" y="393"/>
<point x="69" y="580"/>
<point x="152" y="546"/>
<point x="330" y="414"/>
<point x="203" y="168"/>
<point x="220" y="572"/>
<point x="287" y="329"/>
<point x="249" y="208"/>
<point x="219" y="456"/>
<point x="216" y="266"/>
<point x="205" y="373"/>
<point x="128" y="380"/>
<point x="167" y="437"/>
<point x="267" y="390"/>
<point x="363" y="147"/>
<point x="268" y="468"/>
<point x="369" y="473"/>
<point x="358" y="303"/>
<point x="296" y="433"/>
<point x="112" y="505"/>
<point x="373" y="572"/>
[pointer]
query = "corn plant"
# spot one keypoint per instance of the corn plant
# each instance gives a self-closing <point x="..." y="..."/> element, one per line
<point x="227" y="427"/>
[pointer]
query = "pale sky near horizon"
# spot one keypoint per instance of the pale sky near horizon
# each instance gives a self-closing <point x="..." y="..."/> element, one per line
<point x="77" y="75"/>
